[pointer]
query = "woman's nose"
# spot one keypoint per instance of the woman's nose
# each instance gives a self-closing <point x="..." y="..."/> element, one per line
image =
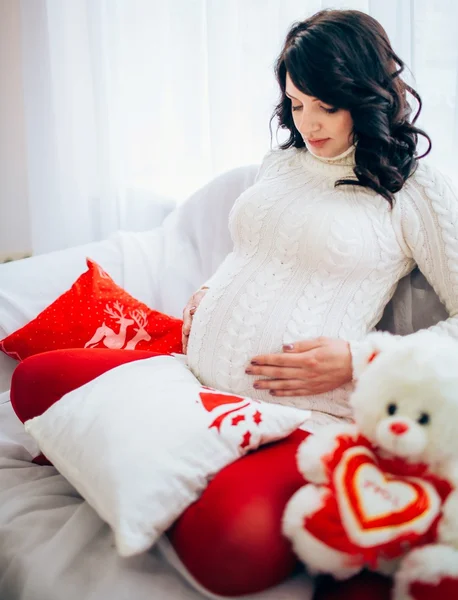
<point x="308" y="125"/>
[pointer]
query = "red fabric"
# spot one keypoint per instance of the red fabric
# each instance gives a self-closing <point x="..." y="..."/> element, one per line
<point x="95" y="313"/>
<point x="446" y="589"/>
<point x="41" y="460"/>
<point x="230" y="540"/>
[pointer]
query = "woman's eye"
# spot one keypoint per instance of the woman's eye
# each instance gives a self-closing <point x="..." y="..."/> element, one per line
<point x="329" y="111"/>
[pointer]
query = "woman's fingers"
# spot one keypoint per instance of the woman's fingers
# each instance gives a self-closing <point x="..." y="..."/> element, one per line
<point x="276" y="372"/>
<point x="298" y="392"/>
<point x="184" y="341"/>
<point x="187" y="318"/>
<point x="279" y="384"/>
<point x="290" y="359"/>
<point x="188" y="314"/>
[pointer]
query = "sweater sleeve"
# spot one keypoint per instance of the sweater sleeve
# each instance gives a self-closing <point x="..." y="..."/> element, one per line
<point x="429" y="225"/>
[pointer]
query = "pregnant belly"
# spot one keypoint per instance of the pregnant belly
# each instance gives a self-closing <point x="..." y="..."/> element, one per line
<point x="218" y="357"/>
<point x="226" y="334"/>
<point x="223" y="341"/>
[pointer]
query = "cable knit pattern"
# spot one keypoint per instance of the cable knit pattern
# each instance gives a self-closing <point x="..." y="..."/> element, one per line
<point x="310" y="259"/>
<point x="433" y="207"/>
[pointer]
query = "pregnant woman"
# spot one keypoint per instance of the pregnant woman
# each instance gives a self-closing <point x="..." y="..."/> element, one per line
<point x="339" y="213"/>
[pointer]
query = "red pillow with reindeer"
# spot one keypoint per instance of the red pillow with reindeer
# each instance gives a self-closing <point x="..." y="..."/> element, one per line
<point x="95" y="313"/>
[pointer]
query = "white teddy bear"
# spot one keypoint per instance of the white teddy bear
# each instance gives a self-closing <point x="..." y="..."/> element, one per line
<point x="382" y="493"/>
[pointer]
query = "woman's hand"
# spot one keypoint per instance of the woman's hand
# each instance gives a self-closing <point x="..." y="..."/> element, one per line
<point x="188" y="314"/>
<point x="304" y="368"/>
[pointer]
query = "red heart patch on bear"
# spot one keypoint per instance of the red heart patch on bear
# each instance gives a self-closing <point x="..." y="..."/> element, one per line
<point x="377" y="507"/>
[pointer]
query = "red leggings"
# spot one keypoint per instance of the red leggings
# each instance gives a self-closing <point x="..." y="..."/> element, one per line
<point x="230" y="540"/>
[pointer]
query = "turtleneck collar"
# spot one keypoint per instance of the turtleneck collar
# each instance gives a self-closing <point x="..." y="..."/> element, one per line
<point x="334" y="166"/>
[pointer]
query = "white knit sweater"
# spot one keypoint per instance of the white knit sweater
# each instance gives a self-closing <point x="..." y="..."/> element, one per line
<point x="313" y="260"/>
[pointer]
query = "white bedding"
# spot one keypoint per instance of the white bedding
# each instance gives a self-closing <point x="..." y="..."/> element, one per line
<point x="53" y="546"/>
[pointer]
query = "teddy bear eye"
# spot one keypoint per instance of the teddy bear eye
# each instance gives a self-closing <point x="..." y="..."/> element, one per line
<point x="423" y="419"/>
<point x="391" y="409"/>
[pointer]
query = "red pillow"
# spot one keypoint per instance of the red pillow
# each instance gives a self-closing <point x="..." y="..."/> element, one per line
<point x="95" y="313"/>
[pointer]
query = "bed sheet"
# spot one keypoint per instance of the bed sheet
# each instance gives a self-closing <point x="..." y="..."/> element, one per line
<point x="53" y="546"/>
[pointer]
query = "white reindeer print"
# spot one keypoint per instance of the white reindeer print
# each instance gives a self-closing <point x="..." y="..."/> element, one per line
<point x="106" y="335"/>
<point x="139" y="316"/>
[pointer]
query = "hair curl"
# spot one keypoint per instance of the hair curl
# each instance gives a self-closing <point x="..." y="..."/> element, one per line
<point x="344" y="58"/>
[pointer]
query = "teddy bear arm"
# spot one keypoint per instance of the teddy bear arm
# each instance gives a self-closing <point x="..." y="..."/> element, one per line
<point x="312" y="451"/>
<point x="314" y="552"/>
<point x="427" y="572"/>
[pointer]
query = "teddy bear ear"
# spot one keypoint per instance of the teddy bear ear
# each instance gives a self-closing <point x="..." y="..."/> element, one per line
<point x="373" y="345"/>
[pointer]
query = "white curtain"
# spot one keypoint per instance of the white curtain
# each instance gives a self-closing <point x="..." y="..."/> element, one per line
<point x="133" y="103"/>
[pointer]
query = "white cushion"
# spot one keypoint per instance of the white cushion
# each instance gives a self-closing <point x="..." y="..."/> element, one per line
<point x="141" y="441"/>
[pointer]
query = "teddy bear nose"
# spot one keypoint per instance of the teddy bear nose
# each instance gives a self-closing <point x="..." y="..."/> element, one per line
<point x="398" y="428"/>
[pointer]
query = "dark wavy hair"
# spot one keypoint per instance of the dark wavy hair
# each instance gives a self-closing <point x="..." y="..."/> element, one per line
<point x="344" y="58"/>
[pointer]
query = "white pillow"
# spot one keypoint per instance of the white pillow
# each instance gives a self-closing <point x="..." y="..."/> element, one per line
<point x="141" y="442"/>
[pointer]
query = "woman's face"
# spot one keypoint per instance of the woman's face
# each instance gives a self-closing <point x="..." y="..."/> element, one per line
<point x="316" y="120"/>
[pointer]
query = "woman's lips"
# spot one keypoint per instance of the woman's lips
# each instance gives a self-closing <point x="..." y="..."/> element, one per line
<point x="317" y="143"/>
